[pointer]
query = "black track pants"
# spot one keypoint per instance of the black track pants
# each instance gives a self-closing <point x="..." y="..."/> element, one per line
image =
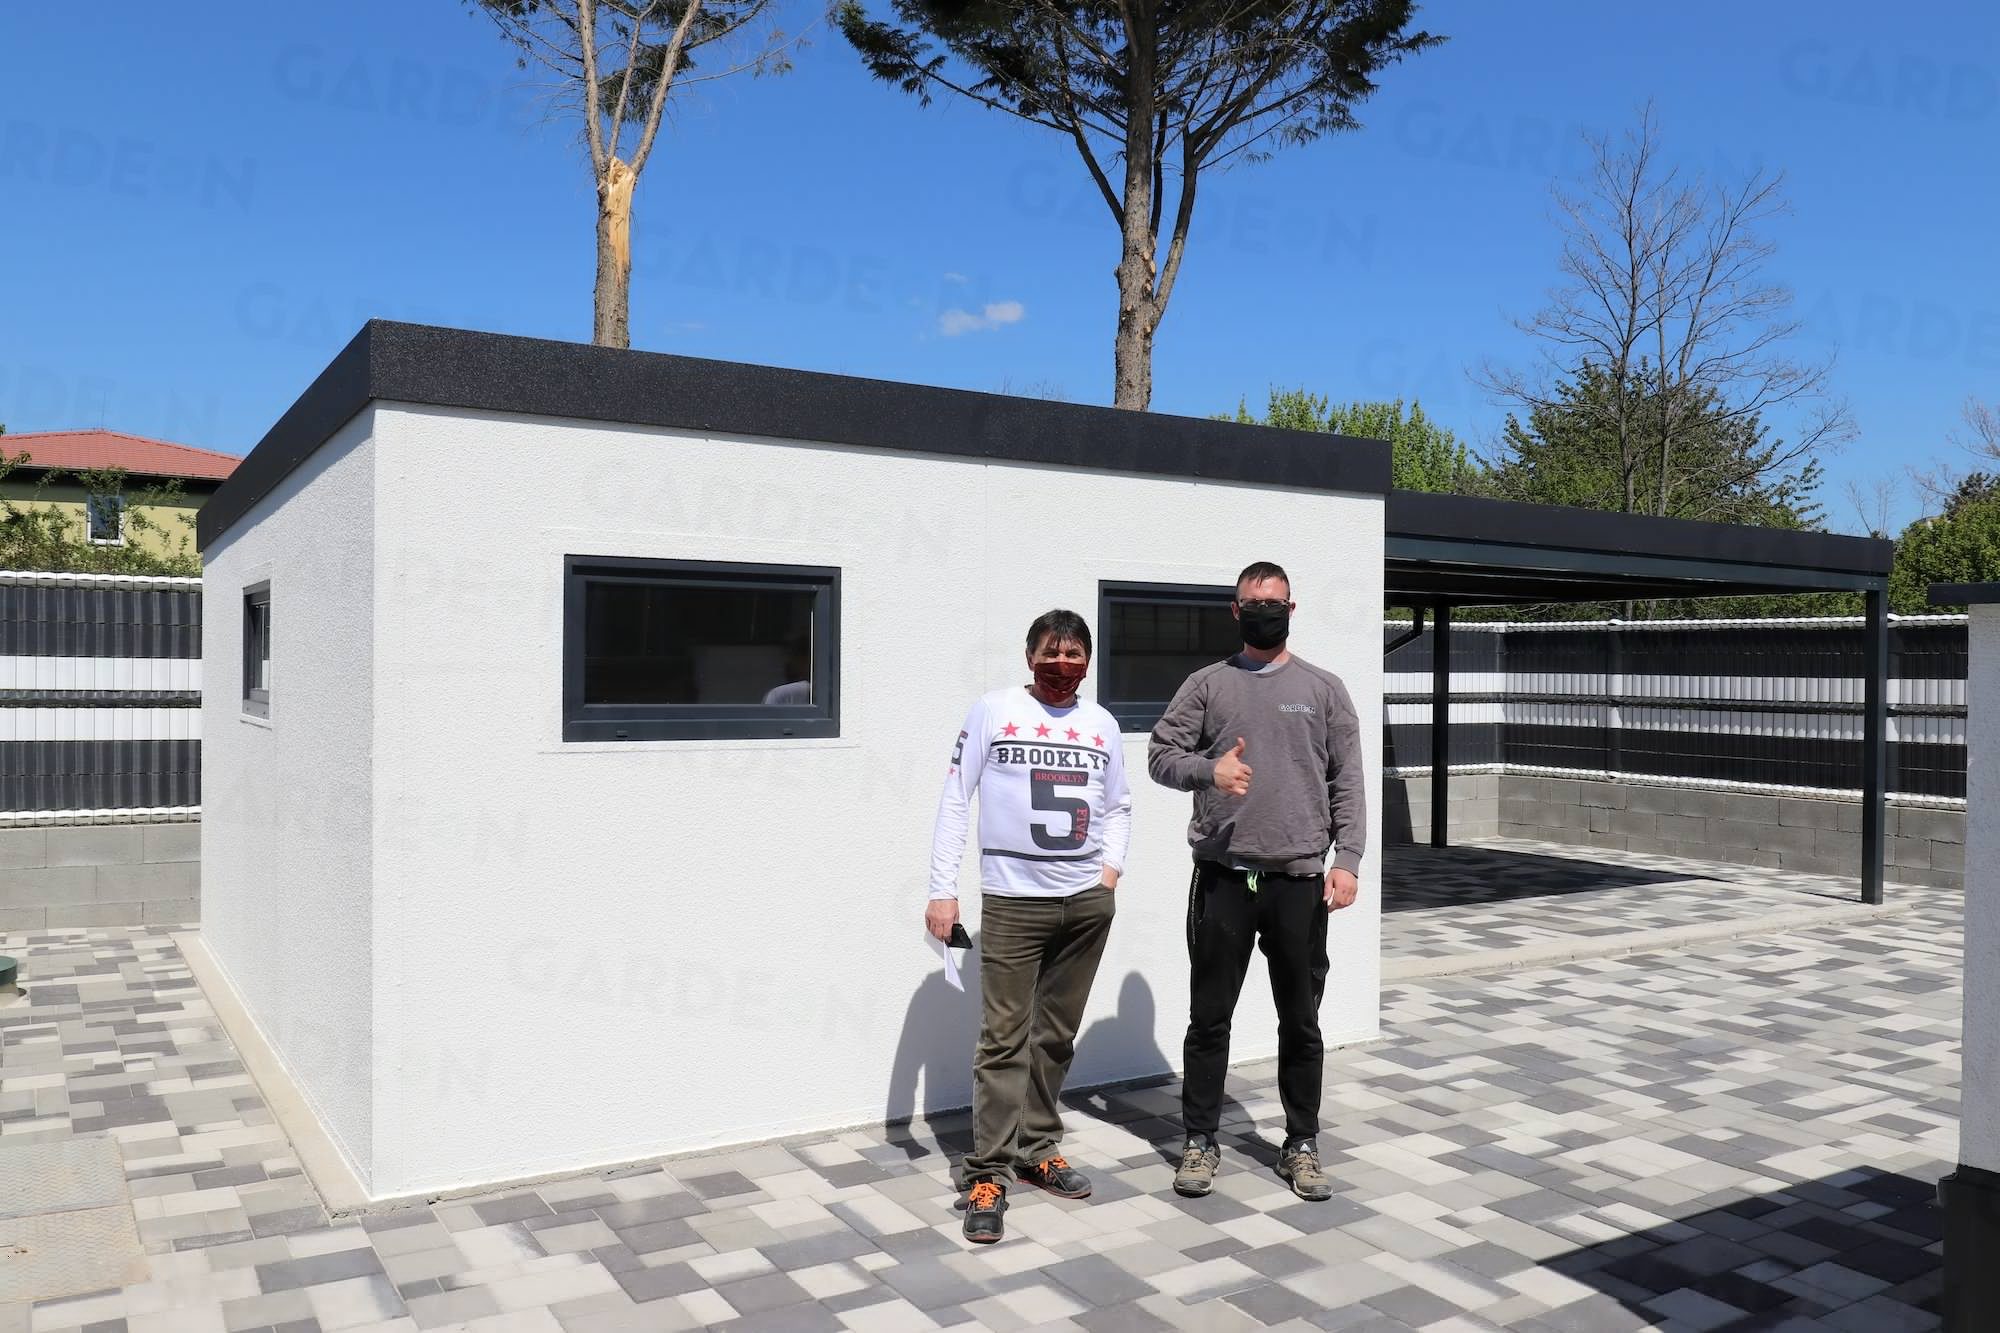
<point x="1286" y="919"/>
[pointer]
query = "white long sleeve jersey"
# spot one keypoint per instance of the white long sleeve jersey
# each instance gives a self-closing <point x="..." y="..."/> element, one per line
<point x="1054" y="807"/>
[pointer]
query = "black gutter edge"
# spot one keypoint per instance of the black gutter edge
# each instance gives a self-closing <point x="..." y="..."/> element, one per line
<point x="1558" y="527"/>
<point x="454" y="368"/>
<point x="329" y="402"/>
<point x="1964" y="594"/>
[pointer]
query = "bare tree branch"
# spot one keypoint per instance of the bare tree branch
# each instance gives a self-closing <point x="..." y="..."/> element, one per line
<point x="1983" y="421"/>
<point x="1665" y="311"/>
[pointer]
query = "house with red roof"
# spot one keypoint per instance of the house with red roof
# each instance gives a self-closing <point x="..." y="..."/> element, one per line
<point x="60" y="465"/>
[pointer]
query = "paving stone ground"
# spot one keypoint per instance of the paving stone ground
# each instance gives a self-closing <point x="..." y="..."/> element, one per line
<point x="1507" y="893"/>
<point x="1746" y="1137"/>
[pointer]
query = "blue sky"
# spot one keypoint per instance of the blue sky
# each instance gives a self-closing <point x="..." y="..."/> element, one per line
<point x="192" y="221"/>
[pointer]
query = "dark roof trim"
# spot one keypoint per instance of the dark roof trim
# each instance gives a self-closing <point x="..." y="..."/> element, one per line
<point x="1557" y="537"/>
<point x="1965" y="594"/>
<point x="435" y="367"/>
<point x="131" y="473"/>
<point x="1466" y="573"/>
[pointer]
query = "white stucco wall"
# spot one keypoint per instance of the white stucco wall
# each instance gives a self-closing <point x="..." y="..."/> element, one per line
<point x="286" y="832"/>
<point x="586" y="953"/>
<point x="1980" y="1107"/>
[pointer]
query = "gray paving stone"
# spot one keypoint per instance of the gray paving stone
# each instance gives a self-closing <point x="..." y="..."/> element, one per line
<point x="650" y="1284"/>
<point x="1126" y="1318"/>
<point x="1616" y="1122"/>
<point x="657" y="1208"/>
<point x="1098" y="1281"/>
<point x="319" y="1268"/>
<point x="1272" y="1304"/>
<point x="929" y="1285"/>
<point x="767" y="1291"/>
<point x="811" y="1317"/>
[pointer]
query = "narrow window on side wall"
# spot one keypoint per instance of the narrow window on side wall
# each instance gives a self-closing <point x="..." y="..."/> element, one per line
<point x="257" y="650"/>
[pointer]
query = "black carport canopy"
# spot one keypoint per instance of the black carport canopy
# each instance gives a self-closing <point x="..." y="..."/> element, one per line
<point x="1462" y="551"/>
<point x="1444" y="551"/>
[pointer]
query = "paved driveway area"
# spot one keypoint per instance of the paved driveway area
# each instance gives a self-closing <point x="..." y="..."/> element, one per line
<point x="1746" y="1135"/>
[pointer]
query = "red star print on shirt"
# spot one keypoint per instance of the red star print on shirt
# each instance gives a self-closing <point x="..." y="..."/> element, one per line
<point x="1009" y="729"/>
<point x="1041" y="729"/>
<point x="1098" y="741"/>
<point x="1071" y="733"/>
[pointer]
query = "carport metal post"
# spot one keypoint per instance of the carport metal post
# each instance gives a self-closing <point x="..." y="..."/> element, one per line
<point x="1440" y="722"/>
<point x="1874" y="743"/>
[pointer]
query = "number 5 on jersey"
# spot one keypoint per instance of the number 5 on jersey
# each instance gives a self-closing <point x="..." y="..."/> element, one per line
<point x="1046" y="784"/>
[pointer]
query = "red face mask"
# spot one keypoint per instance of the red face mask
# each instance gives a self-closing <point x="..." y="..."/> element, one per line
<point x="1060" y="679"/>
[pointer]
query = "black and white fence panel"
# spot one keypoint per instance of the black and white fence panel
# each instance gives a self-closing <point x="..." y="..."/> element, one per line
<point x="100" y="694"/>
<point x="1765" y="705"/>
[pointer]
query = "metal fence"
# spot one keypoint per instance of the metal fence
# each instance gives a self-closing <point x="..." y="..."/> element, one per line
<point x="1771" y="704"/>
<point x="100" y="687"/>
<point x="100" y="693"/>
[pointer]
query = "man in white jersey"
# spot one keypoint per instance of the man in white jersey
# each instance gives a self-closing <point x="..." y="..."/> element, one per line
<point x="1055" y="816"/>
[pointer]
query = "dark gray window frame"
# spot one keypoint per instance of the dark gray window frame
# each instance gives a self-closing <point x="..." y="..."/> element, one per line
<point x="654" y="722"/>
<point x="1141" y="714"/>
<point x="256" y="700"/>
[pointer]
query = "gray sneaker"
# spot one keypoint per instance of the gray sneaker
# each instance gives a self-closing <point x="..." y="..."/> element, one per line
<point x="1298" y="1163"/>
<point x="1199" y="1161"/>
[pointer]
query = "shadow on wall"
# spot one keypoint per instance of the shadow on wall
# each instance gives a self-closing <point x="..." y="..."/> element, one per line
<point x="1144" y="1101"/>
<point x="931" y="1081"/>
<point x="934" y="1063"/>
<point x="1124" y="1046"/>
<point x="1400" y="823"/>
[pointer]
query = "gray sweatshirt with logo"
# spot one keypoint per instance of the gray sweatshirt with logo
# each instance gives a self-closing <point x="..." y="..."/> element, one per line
<point x="1302" y="741"/>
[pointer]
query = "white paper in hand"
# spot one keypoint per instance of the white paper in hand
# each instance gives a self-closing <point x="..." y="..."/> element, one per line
<point x="943" y="950"/>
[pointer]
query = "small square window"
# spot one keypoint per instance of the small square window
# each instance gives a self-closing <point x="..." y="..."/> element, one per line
<point x="107" y="519"/>
<point x="257" y="650"/>
<point x="683" y="650"/>
<point x="1153" y="636"/>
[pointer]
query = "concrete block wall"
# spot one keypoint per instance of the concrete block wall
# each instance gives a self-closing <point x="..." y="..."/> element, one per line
<point x="1474" y="810"/>
<point x="100" y="875"/>
<point x="1816" y="836"/>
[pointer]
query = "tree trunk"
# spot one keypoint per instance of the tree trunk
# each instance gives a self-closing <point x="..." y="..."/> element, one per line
<point x="1132" y="353"/>
<point x="612" y="322"/>
<point x="1138" y="310"/>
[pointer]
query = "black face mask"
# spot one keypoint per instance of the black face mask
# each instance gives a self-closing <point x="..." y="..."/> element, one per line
<point x="1265" y="627"/>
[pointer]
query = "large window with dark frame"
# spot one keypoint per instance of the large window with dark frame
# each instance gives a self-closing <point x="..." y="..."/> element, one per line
<point x="1150" y="637"/>
<point x="688" y="650"/>
<point x="257" y="650"/>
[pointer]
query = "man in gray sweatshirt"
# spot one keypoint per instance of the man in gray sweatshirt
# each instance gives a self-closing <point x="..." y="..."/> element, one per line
<point x="1271" y="748"/>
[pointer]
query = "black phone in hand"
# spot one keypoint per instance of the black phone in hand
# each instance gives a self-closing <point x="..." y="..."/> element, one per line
<point x="959" y="939"/>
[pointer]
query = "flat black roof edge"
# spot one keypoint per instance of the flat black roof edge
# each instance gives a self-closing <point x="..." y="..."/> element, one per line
<point x="329" y="402"/>
<point x="1558" y="527"/>
<point x="456" y="368"/>
<point x="1964" y="594"/>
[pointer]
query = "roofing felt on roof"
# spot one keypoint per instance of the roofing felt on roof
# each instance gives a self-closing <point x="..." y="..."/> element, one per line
<point x="1477" y="552"/>
<point x="453" y="368"/>
<point x="76" y="450"/>
<point x="1440" y="547"/>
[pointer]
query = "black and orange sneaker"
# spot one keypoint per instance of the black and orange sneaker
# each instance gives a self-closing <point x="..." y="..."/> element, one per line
<point x="1058" y="1177"/>
<point x="985" y="1202"/>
